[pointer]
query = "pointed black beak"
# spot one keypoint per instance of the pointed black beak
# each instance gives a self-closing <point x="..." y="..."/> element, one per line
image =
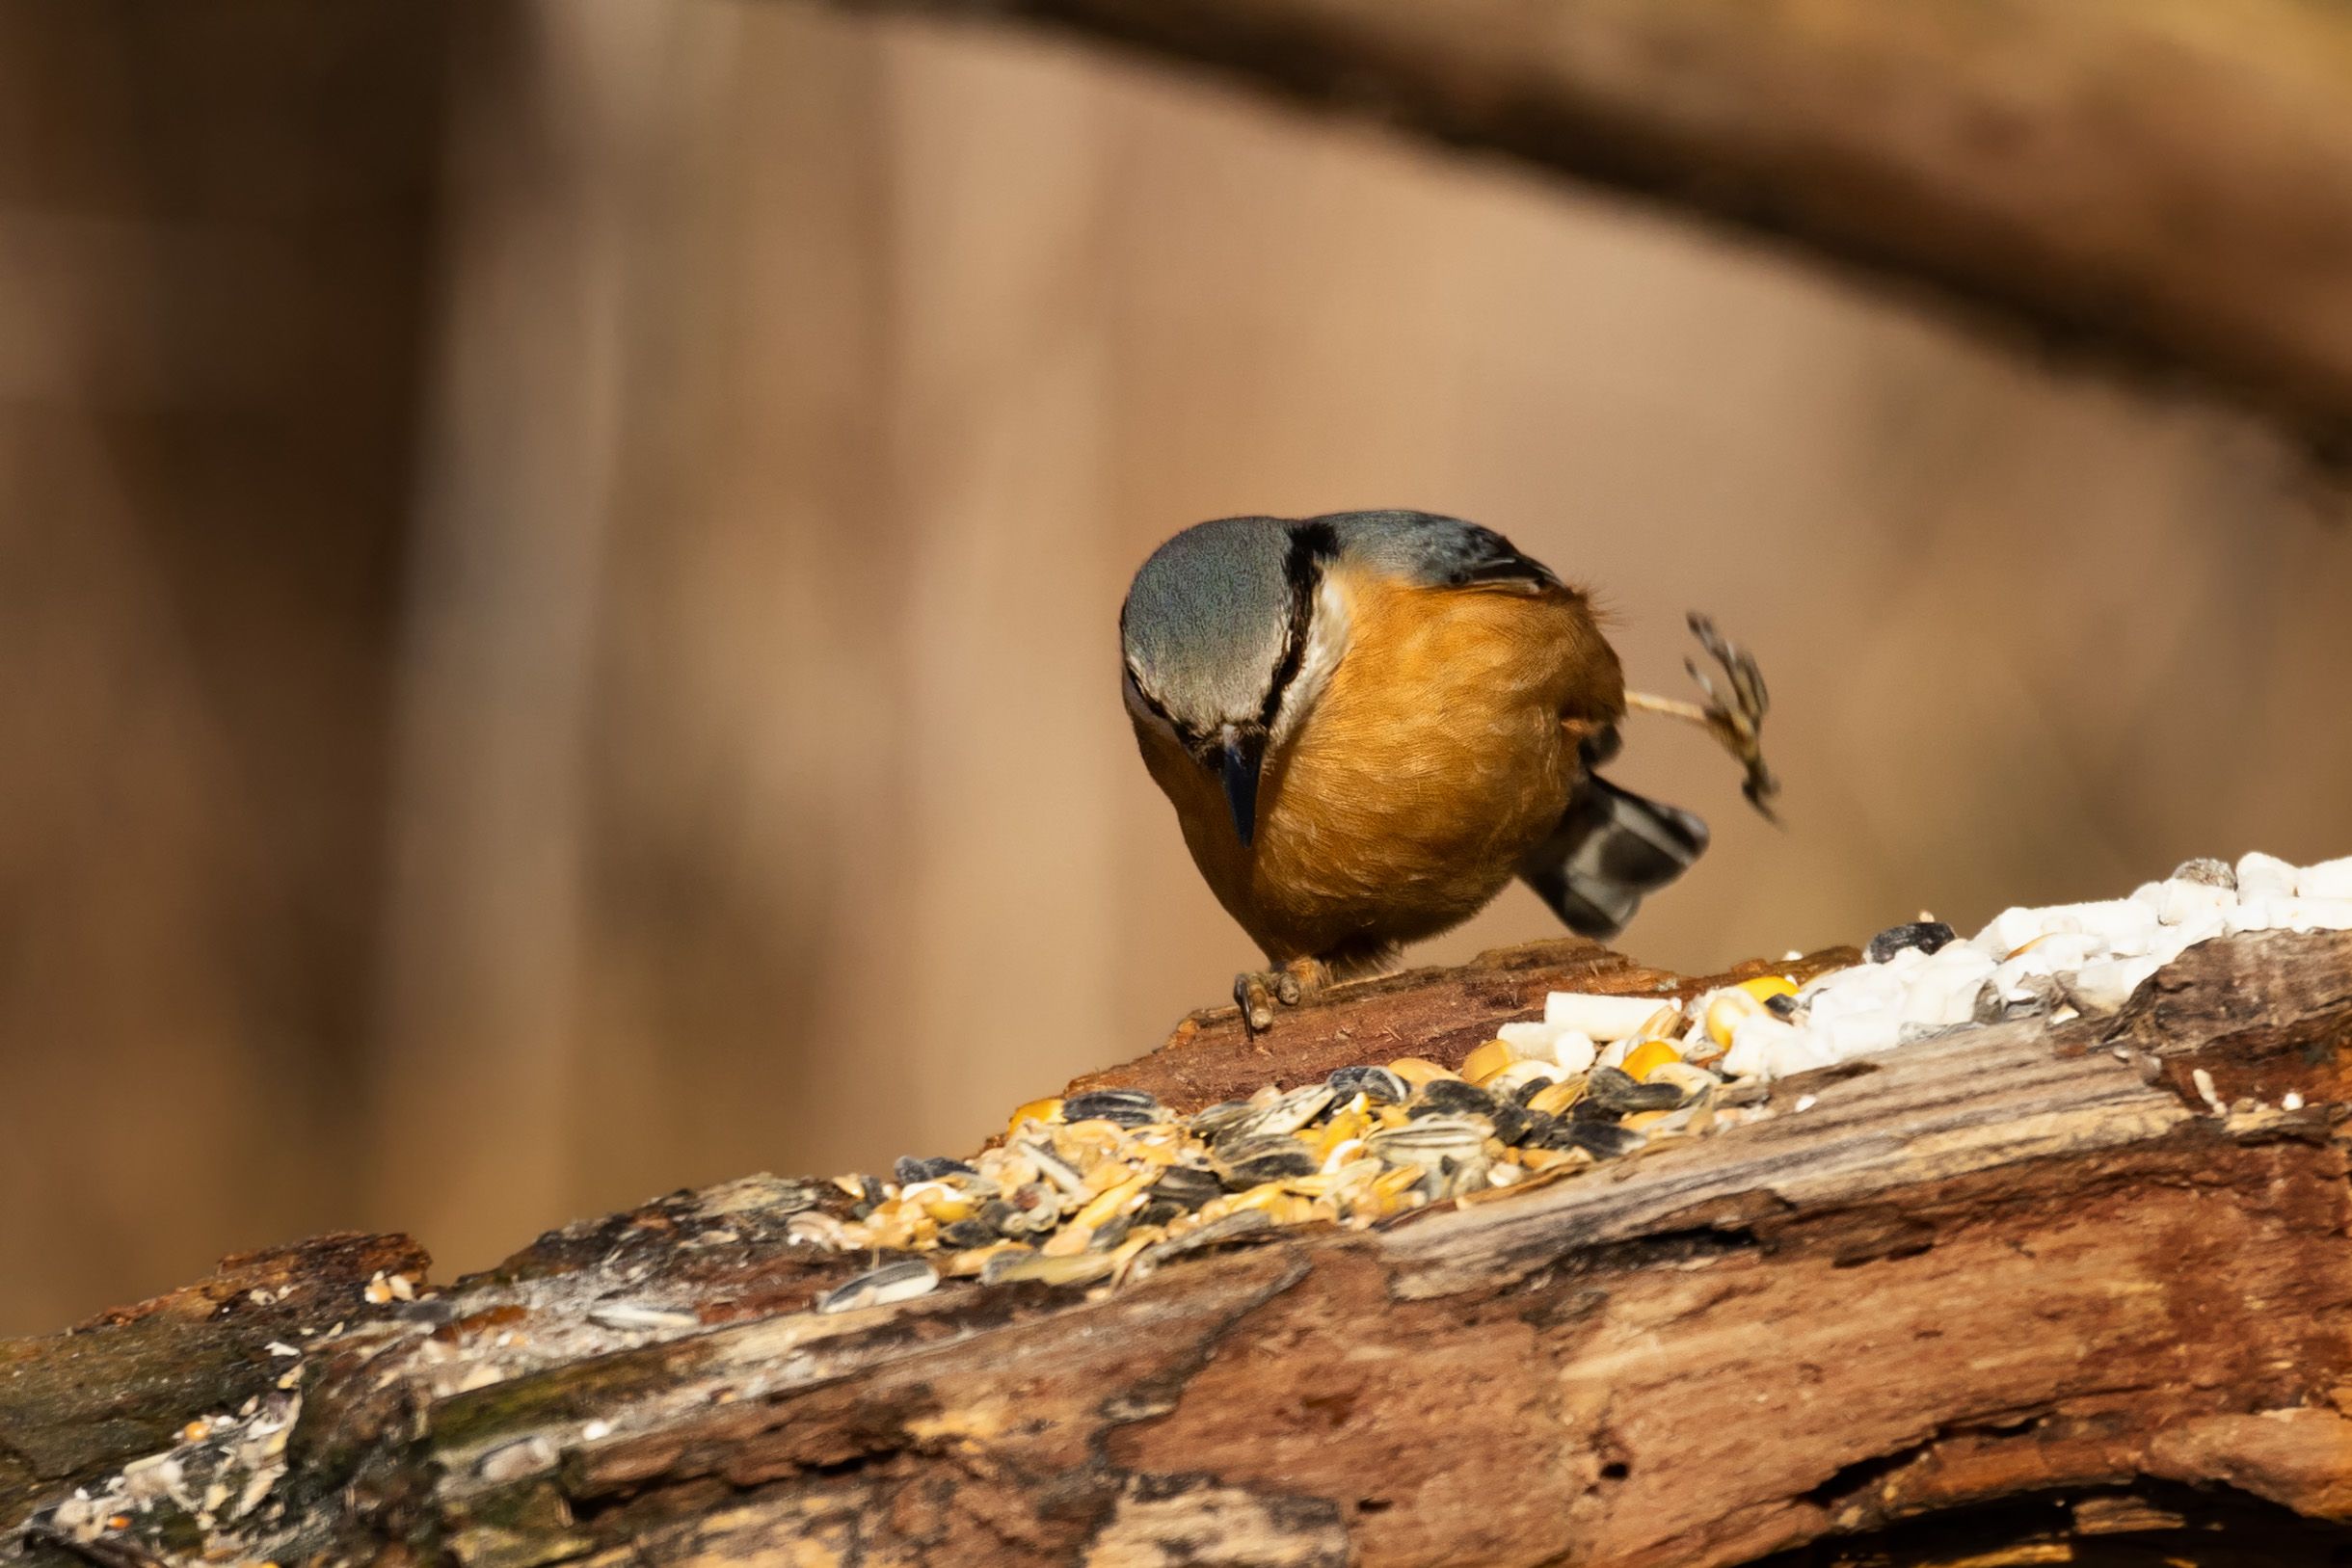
<point x="1238" y="759"/>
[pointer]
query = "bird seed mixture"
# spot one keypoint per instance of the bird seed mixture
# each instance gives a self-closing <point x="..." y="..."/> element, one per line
<point x="1105" y="1187"/>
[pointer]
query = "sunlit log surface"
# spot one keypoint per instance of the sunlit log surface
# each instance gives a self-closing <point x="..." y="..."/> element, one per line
<point x="2024" y="1281"/>
<point x="2171" y="181"/>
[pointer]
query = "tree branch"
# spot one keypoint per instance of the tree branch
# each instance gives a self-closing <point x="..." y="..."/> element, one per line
<point x="2019" y="1281"/>
<point x="2171" y="183"/>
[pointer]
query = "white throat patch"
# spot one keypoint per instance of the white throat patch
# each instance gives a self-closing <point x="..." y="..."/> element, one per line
<point x="1327" y="642"/>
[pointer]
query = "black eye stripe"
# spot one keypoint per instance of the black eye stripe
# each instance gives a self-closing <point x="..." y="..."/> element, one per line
<point x="1313" y="544"/>
<point x="1184" y="731"/>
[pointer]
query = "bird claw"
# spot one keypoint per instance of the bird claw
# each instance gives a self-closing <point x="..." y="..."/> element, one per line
<point x="1257" y="993"/>
<point x="1737" y="720"/>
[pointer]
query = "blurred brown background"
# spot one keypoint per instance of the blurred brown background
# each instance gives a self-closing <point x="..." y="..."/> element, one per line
<point x="559" y="561"/>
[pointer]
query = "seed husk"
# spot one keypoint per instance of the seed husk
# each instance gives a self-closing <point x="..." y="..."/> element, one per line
<point x="1231" y="1228"/>
<point x="966" y="1233"/>
<point x="911" y="1169"/>
<point x="1927" y="936"/>
<point x="901" y="1281"/>
<point x="1286" y="1114"/>
<point x="1602" y="1140"/>
<point x="1510" y="1123"/>
<point x="1033" y="1207"/>
<point x="1377" y="1084"/>
<point x="1255" y="1162"/>
<point x="1213" y="1120"/>
<point x="1187" y="1186"/>
<point x="1528" y="1091"/>
<point x="1556" y="1099"/>
<point x="1121" y="1107"/>
<point x="1613" y="1089"/>
<point x="1013" y="1265"/>
<point x="1428" y="1141"/>
<point x="1453" y="1097"/>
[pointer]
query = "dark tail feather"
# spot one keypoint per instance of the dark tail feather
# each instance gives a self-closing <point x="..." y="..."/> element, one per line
<point x="1611" y="847"/>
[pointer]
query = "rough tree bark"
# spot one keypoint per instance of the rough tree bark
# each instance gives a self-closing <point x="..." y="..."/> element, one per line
<point x="2020" y="1293"/>
<point x="2168" y="181"/>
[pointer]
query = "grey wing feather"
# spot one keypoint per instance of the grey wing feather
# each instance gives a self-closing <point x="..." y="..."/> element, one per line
<point x="1437" y="551"/>
<point x="1611" y="848"/>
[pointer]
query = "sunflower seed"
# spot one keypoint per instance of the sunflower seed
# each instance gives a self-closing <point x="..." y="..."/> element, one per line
<point x="1122" y="1108"/>
<point x="910" y="1169"/>
<point x="1187" y="1186"/>
<point x="1427" y="1142"/>
<point x="901" y="1281"/>
<point x="1250" y="1162"/>
<point x="1453" y="1097"/>
<point x="1286" y="1114"/>
<point x="1927" y="936"/>
<point x="1377" y="1084"/>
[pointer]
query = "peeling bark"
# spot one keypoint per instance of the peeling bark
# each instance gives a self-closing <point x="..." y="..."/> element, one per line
<point x="2018" y="1283"/>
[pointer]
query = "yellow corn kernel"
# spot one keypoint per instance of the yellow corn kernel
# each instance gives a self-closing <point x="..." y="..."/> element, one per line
<point x="1641" y="1121"/>
<point x="1388" y="1185"/>
<point x="1124" y="1258"/>
<point x="1417" y="1071"/>
<point x="1392" y="1116"/>
<point x="1765" y="987"/>
<point x="1268" y="1196"/>
<point x="940" y="1201"/>
<point x="1068" y="1241"/>
<point x="1113" y="1200"/>
<point x="1648" y="1055"/>
<point x="1726" y="1011"/>
<point x="1545" y="1159"/>
<point x="1347" y="1123"/>
<point x="1036" y="1110"/>
<point x="1486" y="1061"/>
<point x="1082" y="1143"/>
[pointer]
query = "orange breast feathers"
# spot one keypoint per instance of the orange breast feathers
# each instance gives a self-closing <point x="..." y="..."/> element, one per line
<point x="1442" y="751"/>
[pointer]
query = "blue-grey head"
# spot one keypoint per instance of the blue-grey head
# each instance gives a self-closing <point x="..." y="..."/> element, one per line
<point x="1216" y="631"/>
<point x="1232" y="629"/>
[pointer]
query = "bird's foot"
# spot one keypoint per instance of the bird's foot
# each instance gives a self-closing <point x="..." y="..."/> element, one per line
<point x="1258" y="992"/>
<point x="1734" y="717"/>
<point x="1739" y="720"/>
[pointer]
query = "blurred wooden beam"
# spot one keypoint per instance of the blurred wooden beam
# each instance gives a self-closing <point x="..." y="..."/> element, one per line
<point x="2167" y="182"/>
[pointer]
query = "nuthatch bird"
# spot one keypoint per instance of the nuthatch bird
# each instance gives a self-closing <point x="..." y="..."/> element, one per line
<point x="1370" y="722"/>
